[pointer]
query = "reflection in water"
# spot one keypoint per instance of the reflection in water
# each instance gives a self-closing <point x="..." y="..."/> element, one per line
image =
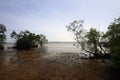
<point x="6" y="57"/>
<point x="33" y="65"/>
<point x="2" y="59"/>
<point x="9" y="55"/>
<point x="61" y="47"/>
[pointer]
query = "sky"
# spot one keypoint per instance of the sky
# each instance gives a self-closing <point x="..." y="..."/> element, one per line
<point x="49" y="17"/>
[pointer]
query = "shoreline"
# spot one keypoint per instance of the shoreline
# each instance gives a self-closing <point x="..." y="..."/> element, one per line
<point x="40" y="66"/>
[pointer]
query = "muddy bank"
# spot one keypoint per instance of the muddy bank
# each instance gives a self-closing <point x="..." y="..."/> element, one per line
<point x="30" y="65"/>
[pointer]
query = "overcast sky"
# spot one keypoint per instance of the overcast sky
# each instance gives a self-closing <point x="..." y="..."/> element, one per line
<point x="49" y="17"/>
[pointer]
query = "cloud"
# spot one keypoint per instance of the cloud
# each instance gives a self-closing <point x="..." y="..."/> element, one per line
<point x="50" y="16"/>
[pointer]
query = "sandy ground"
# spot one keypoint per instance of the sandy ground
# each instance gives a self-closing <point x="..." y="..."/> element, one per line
<point x="64" y="66"/>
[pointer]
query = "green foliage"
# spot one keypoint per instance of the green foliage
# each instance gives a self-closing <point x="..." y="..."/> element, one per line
<point x="76" y="27"/>
<point x="93" y="37"/>
<point x="14" y="35"/>
<point x="41" y="39"/>
<point x="113" y="36"/>
<point x="2" y="35"/>
<point x="88" y="41"/>
<point x="27" y="40"/>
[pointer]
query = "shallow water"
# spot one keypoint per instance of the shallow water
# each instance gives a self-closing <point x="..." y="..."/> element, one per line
<point x="8" y="55"/>
<point x="55" y="61"/>
<point x="54" y="47"/>
<point x="62" y="47"/>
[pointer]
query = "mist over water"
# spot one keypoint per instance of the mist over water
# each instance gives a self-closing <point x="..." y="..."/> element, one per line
<point x="61" y="47"/>
<point x="54" y="47"/>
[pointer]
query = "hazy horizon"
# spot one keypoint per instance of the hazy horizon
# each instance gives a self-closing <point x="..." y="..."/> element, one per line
<point x="50" y="42"/>
<point x="49" y="17"/>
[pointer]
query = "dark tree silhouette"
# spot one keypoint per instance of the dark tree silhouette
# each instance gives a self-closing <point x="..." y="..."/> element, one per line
<point x="2" y="35"/>
<point x="87" y="41"/>
<point x="28" y="40"/>
<point x="113" y="36"/>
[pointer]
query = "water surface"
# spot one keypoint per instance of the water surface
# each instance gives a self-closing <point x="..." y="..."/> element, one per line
<point x="51" y="48"/>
